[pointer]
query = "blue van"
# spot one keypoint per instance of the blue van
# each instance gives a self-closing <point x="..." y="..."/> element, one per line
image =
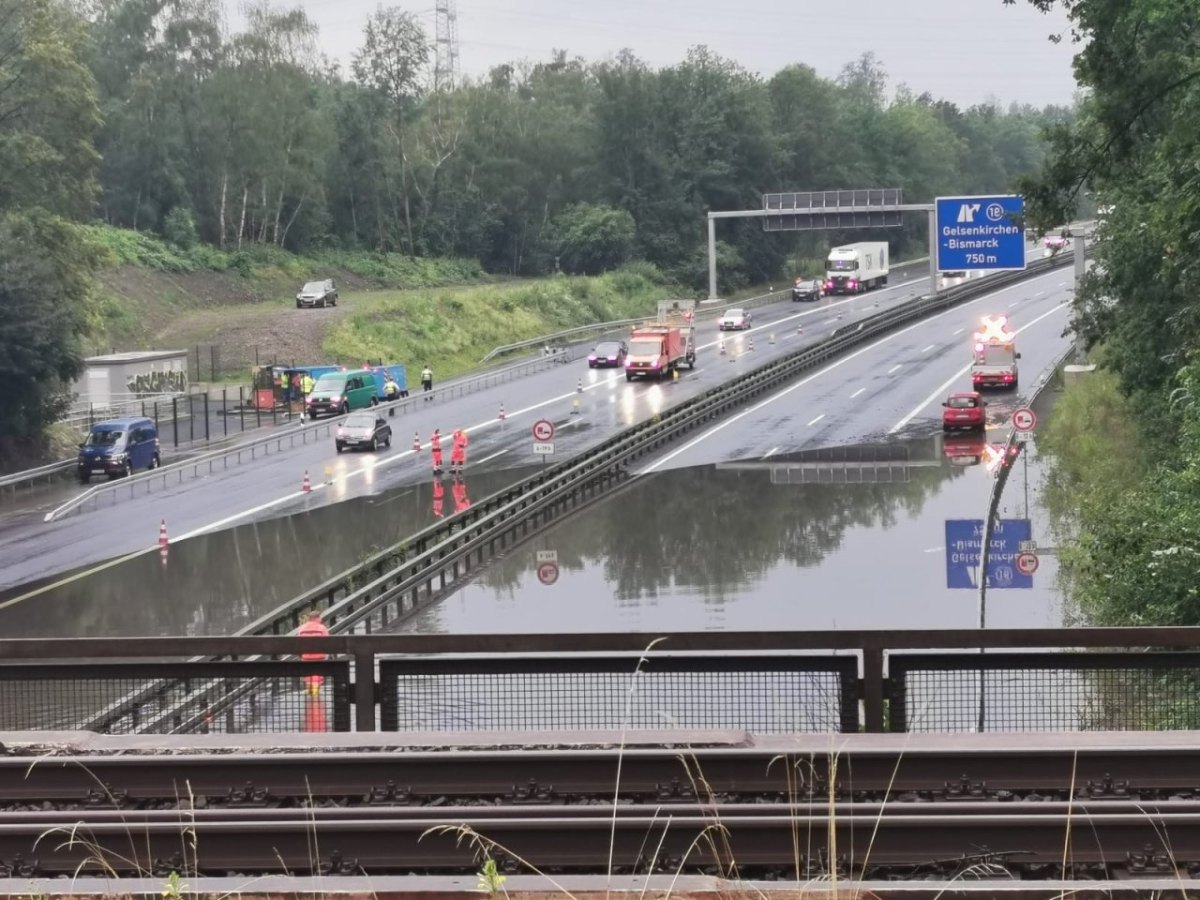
<point x="118" y="448"/>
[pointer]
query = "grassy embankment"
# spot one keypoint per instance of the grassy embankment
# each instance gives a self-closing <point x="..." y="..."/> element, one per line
<point x="446" y="311"/>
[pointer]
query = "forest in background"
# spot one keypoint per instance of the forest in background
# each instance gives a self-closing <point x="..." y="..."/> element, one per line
<point x="255" y="138"/>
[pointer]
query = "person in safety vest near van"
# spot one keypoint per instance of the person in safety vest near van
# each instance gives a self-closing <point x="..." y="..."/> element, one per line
<point x="390" y="389"/>
<point x="458" y="453"/>
<point x="435" y="448"/>
<point x="314" y="627"/>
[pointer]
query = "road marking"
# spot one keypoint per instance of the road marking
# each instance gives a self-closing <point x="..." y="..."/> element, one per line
<point x="894" y="368"/>
<point x="935" y="549"/>
<point x="771" y="452"/>
<point x="816" y="420"/>
<point x="856" y="393"/>
<point x="1039" y="293"/>
<point x="1062" y="284"/>
<point x="927" y="349"/>
<point x="480" y="462"/>
<point x="721" y="426"/>
<point x="945" y="386"/>
<point x="957" y="333"/>
<point x="1014" y="303"/>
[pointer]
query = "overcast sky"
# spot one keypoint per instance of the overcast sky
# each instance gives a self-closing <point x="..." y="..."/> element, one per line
<point x="966" y="51"/>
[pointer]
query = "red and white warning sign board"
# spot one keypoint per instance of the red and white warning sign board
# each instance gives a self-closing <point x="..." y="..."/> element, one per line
<point x="1024" y="419"/>
<point x="543" y="430"/>
<point x="547" y="572"/>
<point x="1027" y="563"/>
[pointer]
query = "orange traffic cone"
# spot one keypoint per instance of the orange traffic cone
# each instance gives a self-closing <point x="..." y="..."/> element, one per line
<point x="501" y="416"/>
<point x="162" y="533"/>
<point x="306" y="484"/>
<point x="416" y="442"/>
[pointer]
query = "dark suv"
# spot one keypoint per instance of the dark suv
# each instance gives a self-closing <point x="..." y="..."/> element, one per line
<point x="317" y="293"/>
<point x="806" y="289"/>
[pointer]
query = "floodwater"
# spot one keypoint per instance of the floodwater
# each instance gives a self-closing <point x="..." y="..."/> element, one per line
<point x="791" y="543"/>
<point x="838" y="538"/>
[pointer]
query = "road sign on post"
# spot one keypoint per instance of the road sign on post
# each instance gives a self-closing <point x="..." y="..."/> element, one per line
<point x="543" y="448"/>
<point x="964" y="543"/>
<point x="543" y="430"/>
<point x="820" y="210"/>
<point x="1024" y="419"/>
<point x="547" y="573"/>
<point x="1027" y="563"/>
<point x="980" y="233"/>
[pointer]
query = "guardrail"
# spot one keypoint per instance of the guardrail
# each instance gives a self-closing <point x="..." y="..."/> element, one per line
<point x="402" y="577"/>
<point x="710" y="311"/>
<point x="1071" y="679"/>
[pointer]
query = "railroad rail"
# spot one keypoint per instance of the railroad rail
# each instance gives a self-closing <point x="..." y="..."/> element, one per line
<point x="768" y="840"/>
<point x="703" y="767"/>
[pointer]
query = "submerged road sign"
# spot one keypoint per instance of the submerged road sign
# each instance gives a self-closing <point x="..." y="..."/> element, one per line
<point x="980" y="233"/>
<point x="964" y="541"/>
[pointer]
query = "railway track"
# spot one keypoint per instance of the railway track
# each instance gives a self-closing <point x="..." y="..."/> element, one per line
<point x="962" y="769"/>
<point x="1118" y="839"/>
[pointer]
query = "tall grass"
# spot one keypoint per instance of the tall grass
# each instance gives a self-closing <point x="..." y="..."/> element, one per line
<point x="453" y="329"/>
<point x="142" y="250"/>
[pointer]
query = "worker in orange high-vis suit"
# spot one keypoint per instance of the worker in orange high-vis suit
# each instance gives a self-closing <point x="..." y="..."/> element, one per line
<point x="459" y="492"/>
<point x="439" y="496"/>
<point x="314" y="627"/>
<point x="458" y="453"/>
<point x="435" y="447"/>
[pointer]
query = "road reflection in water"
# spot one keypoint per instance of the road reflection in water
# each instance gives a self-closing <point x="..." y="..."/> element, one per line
<point x="218" y="583"/>
<point x="791" y="542"/>
<point x="840" y="538"/>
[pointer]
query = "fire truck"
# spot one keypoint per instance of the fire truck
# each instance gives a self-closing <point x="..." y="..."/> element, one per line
<point x="995" y="355"/>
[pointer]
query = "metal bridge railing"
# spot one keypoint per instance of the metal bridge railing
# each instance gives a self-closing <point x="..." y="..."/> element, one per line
<point x="1067" y="680"/>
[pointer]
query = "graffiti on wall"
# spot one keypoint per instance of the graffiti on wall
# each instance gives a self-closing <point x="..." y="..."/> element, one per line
<point x="149" y="383"/>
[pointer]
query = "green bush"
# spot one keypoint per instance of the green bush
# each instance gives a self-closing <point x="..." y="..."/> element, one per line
<point x="454" y="328"/>
<point x="179" y="227"/>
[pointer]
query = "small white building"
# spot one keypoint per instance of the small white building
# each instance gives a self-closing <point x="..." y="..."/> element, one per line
<point x="117" y="378"/>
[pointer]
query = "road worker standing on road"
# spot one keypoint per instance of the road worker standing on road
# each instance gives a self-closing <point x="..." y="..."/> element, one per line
<point x="435" y="447"/>
<point x="391" y="390"/>
<point x="458" y="453"/>
<point x="427" y="379"/>
<point x="314" y="627"/>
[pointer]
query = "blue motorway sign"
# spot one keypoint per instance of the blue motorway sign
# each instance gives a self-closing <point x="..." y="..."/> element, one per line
<point x="964" y="540"/>
<point x="980" y="233"/>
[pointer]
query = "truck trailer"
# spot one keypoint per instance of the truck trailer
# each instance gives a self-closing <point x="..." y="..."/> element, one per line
<point x="854" y="268"/>
<point x="658" y="348"/>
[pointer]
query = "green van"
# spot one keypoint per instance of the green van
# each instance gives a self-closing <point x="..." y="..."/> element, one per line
<point x="337" y="393"/>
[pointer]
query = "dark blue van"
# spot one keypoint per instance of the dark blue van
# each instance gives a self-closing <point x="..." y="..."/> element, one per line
<point x="118" y="448"/>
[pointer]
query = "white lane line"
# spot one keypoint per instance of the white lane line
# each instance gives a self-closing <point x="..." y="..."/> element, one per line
<point x="927" y="349"/>
<point x="816" y="420"/>
<point x="935" y="549"/>
<point x="1014" y="303"/>
<point x="957" y="333"/>
<point x="856" y="393"/>
<point x="1062" y="284"/>
<point x="770" y="453"/>
<point x="894" y="368"/>
<point x="480" y="462"/>
<point x="721" y="426"/>
<point x="945" y="386"/>
<point x="1039" y="293"/>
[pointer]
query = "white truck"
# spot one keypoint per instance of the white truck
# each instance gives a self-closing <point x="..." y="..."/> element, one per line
<point x="994" y="363"/>
<point x="854" y="268"/>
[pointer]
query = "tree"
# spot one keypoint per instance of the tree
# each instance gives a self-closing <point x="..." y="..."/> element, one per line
<point x="592" y="239"/>
<point x="48" y="118"/>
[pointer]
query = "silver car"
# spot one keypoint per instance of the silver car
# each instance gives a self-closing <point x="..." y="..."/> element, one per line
<point x="363" y="430"/>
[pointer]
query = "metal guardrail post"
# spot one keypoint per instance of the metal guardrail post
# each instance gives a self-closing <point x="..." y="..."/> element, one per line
<point x="365" y="691"/>
<point x="873" y="718"/>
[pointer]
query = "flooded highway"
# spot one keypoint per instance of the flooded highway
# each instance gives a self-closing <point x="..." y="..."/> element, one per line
<point x="765" y="545"/>
<point x="836" y="538"/>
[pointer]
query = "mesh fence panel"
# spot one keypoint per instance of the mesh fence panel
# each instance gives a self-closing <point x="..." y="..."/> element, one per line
<point x="1045" y="692"/>
<point x="764" y="694"/>
<point x="125" y="698"/>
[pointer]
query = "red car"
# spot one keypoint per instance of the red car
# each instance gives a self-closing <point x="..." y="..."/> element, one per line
<point x="963" y="409"/>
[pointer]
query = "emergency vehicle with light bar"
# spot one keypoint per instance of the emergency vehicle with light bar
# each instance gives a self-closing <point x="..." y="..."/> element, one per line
<point x="995" y="355"/>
